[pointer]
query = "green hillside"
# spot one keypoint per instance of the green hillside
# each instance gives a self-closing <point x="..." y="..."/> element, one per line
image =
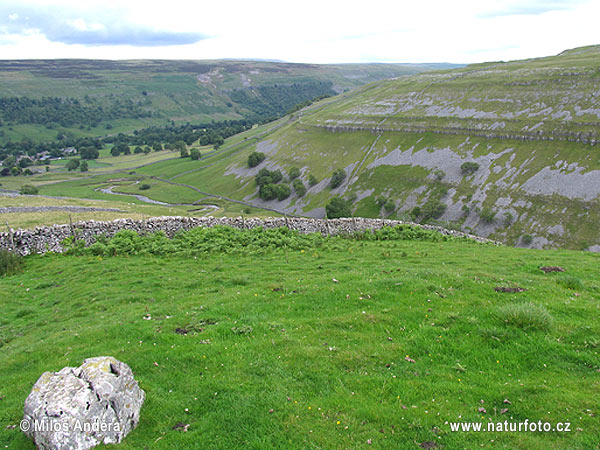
<point x="268" y="339"/>
<point x="506" y="150"/>
<point x="42" y="98"/>
<point x="526" y="129"/>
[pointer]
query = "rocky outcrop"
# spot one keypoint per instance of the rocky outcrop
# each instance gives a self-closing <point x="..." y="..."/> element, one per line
<point x="78" y="408"/>
<point x="44" y="239"/>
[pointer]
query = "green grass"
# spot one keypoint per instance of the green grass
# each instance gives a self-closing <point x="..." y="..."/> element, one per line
<point x="297" y="360"/>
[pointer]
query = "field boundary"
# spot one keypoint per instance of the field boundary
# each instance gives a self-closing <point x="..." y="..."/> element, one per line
<point x="50" y="238"/>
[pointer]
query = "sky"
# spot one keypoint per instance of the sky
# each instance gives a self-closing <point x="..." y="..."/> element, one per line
<point x="307" y="31"/>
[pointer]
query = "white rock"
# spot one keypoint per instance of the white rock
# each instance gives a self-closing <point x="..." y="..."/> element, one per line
<point x="78" y="408"/>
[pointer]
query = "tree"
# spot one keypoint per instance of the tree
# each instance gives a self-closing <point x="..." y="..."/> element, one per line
<point x="157" y="147"/>
<point x="9" y="161"/>
<point x="184" y="153"/>
<point x="267" y="191"/>
<point x="147" y="150"/>
<point x="337" y="178"/>
<point x="115" y="151"/>
<point x="194" y="154"/>
<point x="299" y="187"/>
<point x="294" y="173"/>
<point x="25" y="162"/>
<point x="138" y="150"/>
<point x="312" y="180"/>
<point x="72" y="164"/>
<point x="338" y="207"/>
<point x="283" y="191"/>
<point x="89" y="153"/>
<point x="83" y="167"/>
<point x="255" y="158"/>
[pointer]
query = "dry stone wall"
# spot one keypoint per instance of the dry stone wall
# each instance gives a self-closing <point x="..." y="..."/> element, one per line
<point x="49" y="238"/>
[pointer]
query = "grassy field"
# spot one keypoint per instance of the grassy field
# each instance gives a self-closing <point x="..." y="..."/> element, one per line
<point x="332" y="343"/>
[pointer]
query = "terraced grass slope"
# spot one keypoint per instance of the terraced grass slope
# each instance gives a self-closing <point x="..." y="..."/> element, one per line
<point x="120" y="96"/>
<point x="317" y="343"/>
<point x="531" y="128"/>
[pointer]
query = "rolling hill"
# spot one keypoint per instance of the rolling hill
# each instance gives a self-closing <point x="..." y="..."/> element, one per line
<point x="527" y="129"/>
<point x="42" y="98"/>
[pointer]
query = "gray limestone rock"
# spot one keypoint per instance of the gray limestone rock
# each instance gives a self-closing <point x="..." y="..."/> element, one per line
<point x="96" y="403"/>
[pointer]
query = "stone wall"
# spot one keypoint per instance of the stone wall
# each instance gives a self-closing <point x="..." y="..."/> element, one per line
<point x="44" y="239"/>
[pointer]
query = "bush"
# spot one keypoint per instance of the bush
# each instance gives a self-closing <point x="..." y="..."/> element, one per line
<point x="83" y="167"/>
<point x="469" y="168"/>
<point x="145" y="187"/>
<point x="10" y="262"/>
<point x="527" y="239"/>
<point x="338" y="207"/>
<point x="194" y="154"/>
<point x="488" y="215"/>
<point x="299" y="187"/>
<point x="294" y="173"/>
<point x="29" y="189"/>
<point x="337" y="178"/>
<point x="312" y="180"/>
<point x="415" y="212"/>
<point x="183" y="152"/>
<point x="433" y="209"/>
<point x="526" y="315"/>
<point x="389" y="206"/>
<point x="255" y="158"/>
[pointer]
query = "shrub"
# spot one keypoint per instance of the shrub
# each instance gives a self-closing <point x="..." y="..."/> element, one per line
<point x="526" y="315"/>
<point x="299" y="187"/>
<point x="194" y="154"/>
<point x="380" y="201"/>
<point x="337" y="178"/>
<point x="183" y="152"/>
<point x="439" y="175"/>
<point x="389" y="206"/>
<point x="469" y="168"/>
<point x="433" y="209"/>
<point x="415" y="212"/>
<point x="338" y="207"/>
<point x="294" y="173"/>
<point x="255" y="158"/>
<point x="10" y="262"/>
<point x="145" y="187"/>
<point x="83" y="167"/>
<point x="488" y="215"/>
<point x="312" y="180"/>
<point x="527" y="239"/>
<point x="508" y="219"/>
<point x="29" y="189"/>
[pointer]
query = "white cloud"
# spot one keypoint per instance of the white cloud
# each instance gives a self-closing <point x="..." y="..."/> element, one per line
<point x="309" y="31"/>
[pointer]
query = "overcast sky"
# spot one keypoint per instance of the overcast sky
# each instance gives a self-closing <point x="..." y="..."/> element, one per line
<point x="318" y="31"/>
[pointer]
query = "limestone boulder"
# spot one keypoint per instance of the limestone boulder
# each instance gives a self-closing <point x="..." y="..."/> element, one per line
<point x="79" y="408"/>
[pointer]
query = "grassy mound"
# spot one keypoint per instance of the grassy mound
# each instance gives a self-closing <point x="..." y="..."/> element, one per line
<point x="337" y="343"/>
